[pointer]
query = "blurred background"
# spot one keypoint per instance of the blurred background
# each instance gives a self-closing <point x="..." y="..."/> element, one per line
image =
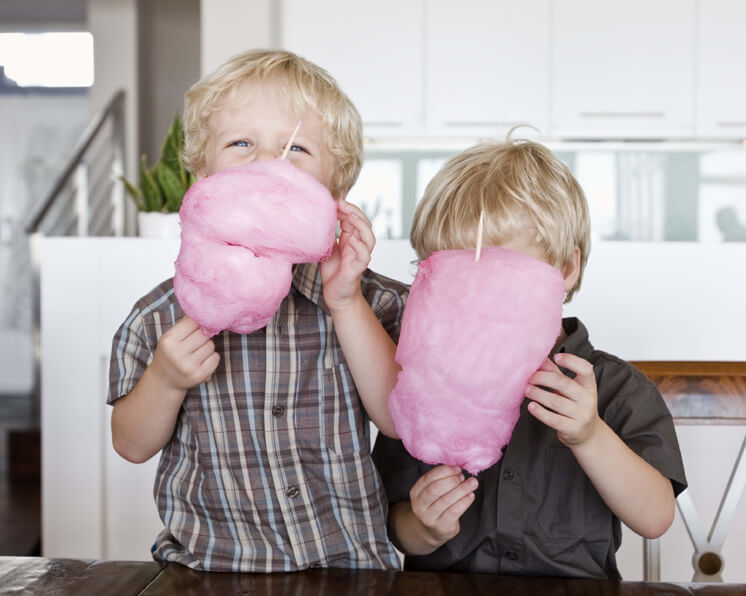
<point x="645" y="100"/>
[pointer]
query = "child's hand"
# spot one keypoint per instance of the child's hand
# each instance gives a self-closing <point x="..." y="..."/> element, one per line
<point x="341" y="272"/>
<point x="572" y="410"/>
<point x="184" y="357"/>
<point x="439" y="499"/>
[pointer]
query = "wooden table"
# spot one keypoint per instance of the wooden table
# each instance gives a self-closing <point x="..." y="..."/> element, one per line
<point x="60" y="577"/>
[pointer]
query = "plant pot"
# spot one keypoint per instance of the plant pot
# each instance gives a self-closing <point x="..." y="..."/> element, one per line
<point x="153" y="224"/>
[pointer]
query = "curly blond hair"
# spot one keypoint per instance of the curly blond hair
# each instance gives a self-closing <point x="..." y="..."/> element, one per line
<point x="518" y="184"/>
<point x="303" y="83"/>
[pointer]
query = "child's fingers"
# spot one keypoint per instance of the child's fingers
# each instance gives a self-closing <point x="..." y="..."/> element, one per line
<point x="183" y="328"/>
<point x="208" y="366"/>
<point x="582" y="368"/>
<point x="455" y="511"/>
<point x="354" y="217"/>
<point x="551" y="419"/>
<point x="359" y="250"/>
<point x="451" y="474"/>
<point x="195" y="340"/>
<point x="557" y="381"/>
<point x="442" y="508"/>
<point x="353" y="210"/>
<point x="552" y="401"/>
<point x="203" y="353"/>
<point x="549" y="366"/>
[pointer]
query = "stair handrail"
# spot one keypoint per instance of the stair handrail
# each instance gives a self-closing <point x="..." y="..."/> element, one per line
<point x="114" y="109"/>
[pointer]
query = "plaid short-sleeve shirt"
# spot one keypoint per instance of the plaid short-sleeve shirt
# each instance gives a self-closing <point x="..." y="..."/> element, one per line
<point x="269" y="466"/>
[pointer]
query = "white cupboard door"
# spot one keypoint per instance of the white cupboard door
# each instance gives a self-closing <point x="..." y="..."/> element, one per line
<point x="487" y="66"/>
<point x="623" y="69"/>
<point x="721" y="62"/>
<point x="373" y="49"/>
<point x="73" y="438"/>
<point x="128" y="269"/>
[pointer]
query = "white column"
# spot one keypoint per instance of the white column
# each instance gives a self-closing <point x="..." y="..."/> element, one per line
<point x="233" y="26"/>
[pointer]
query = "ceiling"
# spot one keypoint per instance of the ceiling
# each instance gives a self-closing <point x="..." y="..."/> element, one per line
<point x="41" y="11"/>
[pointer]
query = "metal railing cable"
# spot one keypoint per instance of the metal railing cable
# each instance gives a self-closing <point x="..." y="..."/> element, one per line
<point x="86" y="199"/>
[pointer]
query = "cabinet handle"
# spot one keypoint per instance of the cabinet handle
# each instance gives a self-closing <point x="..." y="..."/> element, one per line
<point x="382" y="123"/>
<point x="622" y="114"/>
<point x="486" y="123"/>
<point x="732" y="124"/>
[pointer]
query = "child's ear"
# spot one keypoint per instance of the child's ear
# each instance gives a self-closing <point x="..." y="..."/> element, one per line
<point x="572" y="271"/>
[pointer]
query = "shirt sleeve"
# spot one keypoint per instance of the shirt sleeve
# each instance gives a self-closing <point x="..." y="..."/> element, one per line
<point x="387" y="298"/>
<point x="130" y="356"/>
<point x="399" y="470"/>
<point x="639" y="415"/>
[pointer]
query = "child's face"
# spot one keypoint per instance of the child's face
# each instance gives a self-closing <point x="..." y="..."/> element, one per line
<point x="256" y="123"/>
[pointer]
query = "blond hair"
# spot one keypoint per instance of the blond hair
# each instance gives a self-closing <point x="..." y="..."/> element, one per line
<point x="519" y="185"/>
<point x="303" y="83"/>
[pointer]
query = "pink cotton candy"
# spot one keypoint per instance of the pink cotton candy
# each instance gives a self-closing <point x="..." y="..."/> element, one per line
<point x="472" y="335"/>
<point x="242" y="229"/>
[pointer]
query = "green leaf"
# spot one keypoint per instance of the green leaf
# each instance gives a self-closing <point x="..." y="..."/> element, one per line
<point x="151" y="191"/>
<point x="134" y="192"/>
<point x="173" y="145"/>
<point x="171" y="186"/>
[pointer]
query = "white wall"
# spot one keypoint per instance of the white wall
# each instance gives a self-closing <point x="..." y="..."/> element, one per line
<point x="233" y="26"/>
<point x="169" y="62"/>
<point x="113" y="24"/>
<point x="43" y="129"/>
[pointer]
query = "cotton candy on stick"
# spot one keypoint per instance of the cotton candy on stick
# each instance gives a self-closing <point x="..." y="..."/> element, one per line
<point x="242" y="230"/>
<point x="473" y="333"/>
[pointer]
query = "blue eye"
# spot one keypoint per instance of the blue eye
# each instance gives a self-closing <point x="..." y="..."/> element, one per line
<point x="240" y="144"/>
<point x="296" y="148"/>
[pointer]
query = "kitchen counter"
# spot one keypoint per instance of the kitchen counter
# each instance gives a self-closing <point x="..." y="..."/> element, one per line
<point x="36" y="575"/>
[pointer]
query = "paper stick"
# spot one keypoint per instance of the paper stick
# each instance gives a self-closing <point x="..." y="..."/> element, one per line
<point x="480" y="232"/>
<point x="290" y="142"/>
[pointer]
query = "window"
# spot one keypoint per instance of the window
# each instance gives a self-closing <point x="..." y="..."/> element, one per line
<point x="50" y="59"/>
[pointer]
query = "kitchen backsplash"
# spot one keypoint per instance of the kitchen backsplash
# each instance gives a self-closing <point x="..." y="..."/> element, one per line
<point x="656" y="192"/>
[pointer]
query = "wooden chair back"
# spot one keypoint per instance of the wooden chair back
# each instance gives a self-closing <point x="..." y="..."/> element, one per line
<point x="702" y="393"/>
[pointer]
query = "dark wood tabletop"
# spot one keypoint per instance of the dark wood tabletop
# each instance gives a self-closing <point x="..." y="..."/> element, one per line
<point x="60" y="577"/>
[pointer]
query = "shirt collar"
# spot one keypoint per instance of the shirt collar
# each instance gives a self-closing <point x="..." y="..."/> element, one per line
<point x="307" y="281"/>
<point x="576" y="341"/>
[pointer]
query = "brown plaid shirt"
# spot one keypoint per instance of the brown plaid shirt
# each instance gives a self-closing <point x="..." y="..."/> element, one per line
<point x="269" y="466"/>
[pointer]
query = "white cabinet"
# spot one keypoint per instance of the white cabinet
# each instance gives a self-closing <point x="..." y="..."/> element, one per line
<point x="487" y="66"/>
<point x="623" y="69"/>
<point x="721" y="68"/>
<point x="373" y="49"/>
<point x="574" y="69"/>
<point x="94" y="503"/>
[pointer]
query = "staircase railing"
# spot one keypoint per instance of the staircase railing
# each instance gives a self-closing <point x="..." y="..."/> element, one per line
<point x="87" y="199"/>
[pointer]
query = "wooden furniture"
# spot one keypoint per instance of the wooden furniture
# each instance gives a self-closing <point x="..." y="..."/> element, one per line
<point x="62" y="577"/>
<point x="702" y="393"/>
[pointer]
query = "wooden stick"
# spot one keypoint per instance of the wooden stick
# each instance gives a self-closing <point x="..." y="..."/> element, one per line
<point x="290" y="142"/>
<point x="480" y="232"/>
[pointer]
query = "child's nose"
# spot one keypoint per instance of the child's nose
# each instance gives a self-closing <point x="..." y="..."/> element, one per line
<point x="265" y="153"/>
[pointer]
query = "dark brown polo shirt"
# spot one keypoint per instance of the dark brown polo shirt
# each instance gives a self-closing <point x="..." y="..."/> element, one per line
<point x="536" y="512"/>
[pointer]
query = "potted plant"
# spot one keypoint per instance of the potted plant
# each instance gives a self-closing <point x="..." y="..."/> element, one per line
<point x="162" y="187"/>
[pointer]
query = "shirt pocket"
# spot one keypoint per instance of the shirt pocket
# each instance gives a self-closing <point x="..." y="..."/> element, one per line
<point x="330" y="421"/>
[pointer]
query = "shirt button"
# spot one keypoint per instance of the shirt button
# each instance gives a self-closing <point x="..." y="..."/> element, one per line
<point x="292" y="492"/>
<point x="508" y="474"/>
<point x="512" y="555"/>
<point x="278" y="411"/>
